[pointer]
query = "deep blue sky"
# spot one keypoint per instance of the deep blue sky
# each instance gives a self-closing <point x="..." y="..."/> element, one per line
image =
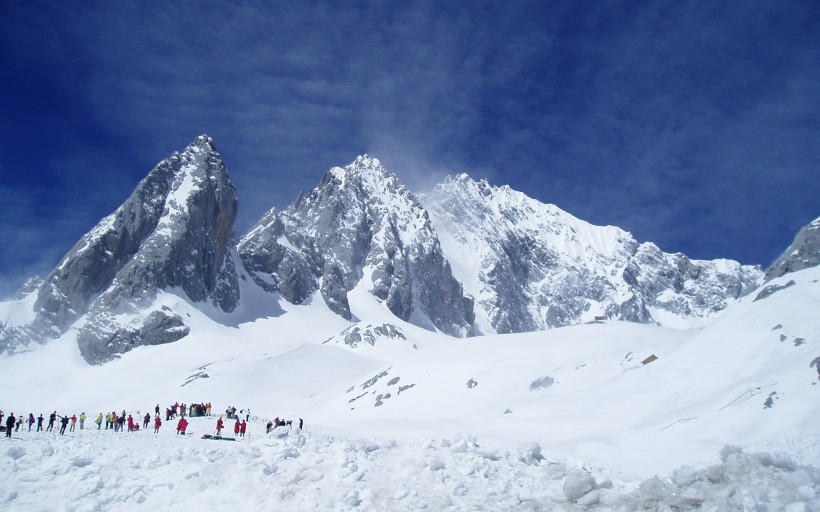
<point x="694" y="125"/>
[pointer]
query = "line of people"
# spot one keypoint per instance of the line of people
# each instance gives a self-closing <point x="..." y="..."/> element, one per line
<point x="118" y="422"/>
<point x="13" y="423"/>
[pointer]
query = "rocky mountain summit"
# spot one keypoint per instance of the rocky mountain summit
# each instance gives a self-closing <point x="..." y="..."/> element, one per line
<point x="466" y="258"/>
<point x="532" y="266"/>
<point x="359" y="227"/>
<point x="174" y="231"/>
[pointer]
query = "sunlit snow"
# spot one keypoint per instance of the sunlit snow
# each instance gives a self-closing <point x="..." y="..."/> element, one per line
<point x="601" y="416"/>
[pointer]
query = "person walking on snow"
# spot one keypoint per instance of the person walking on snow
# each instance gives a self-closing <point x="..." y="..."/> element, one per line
<point x="146" y="420"/>
<point x="51" y="419"/>
<point x="10" y="424"/>
<point x="242" y="427"/>
<point x="157" y="423"/>
<point x="236" y="427"/>
<point x="99" y="421"/>
<point x="30" y="420"/>
<point x="219" y="425"/>
<point x="82" y="421"/>
<point x="182" y="425"/>
<point x="73" y="422"/>
<point x="40" y="423"/>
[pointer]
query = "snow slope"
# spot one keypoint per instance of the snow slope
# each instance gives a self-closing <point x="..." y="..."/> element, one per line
<point x="400" y="418"/>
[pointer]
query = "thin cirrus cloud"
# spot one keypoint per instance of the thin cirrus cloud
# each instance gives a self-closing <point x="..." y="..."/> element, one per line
<point x="663" y="119"/>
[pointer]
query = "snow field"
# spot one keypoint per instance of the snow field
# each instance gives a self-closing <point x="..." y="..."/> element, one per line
<point x="293" y="470"/>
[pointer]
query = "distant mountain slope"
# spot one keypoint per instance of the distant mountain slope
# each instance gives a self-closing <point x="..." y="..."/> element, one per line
<point x="532" y="266"/>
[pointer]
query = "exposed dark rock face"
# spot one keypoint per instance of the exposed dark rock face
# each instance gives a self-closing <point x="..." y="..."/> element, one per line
<point x="358" y="334"/>
<point x="174" y="232"/>
<point x="804" y="252"/>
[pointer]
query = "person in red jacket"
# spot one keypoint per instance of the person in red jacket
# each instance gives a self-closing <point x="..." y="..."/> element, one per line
<point x="242" y="427"/>
<point x="182" y="425"/>
<point x="219" y="425"/>
<point x="157" y="423"/>
<point x="236" y="427"/>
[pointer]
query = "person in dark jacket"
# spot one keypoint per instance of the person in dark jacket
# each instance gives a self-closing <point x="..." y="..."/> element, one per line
<point x="40" y="423"/>
<point x="51" y="419"/>
<point x="63" y="424"/>
<point x="31" y="420"/>
<point x="10" y="421"/>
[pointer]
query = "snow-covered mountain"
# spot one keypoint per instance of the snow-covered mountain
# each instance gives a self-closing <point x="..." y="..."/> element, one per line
<point x="467" y="258"/>
<point x="532" y="266"/>
<point x="360" y="227"/>
<point x="174" y="231"/>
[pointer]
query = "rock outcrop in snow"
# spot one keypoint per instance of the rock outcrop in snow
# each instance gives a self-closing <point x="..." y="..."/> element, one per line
<point x="532" y="266"/>
<point x="174" y="232"/>
<point x="804" y="252"/>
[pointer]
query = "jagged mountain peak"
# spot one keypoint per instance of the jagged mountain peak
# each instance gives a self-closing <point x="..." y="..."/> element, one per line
<point x="499" y="210"/>
<point x="360" y="226"/>
<point x="363" y="167"/>
<point x="532" y="266"/>
<point x="368" y="179"/>
<point x="204" y="141"/>
<point x="174" y="231"/>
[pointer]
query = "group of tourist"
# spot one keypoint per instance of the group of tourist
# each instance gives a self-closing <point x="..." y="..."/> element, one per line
<point x="118" y="422"/>
<point x="178" y="409"/>
<point x="111" y="421"/>
<point x="13" y="423"/>
<point x="276" y="423"/>
<point x="239" y="427"/>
